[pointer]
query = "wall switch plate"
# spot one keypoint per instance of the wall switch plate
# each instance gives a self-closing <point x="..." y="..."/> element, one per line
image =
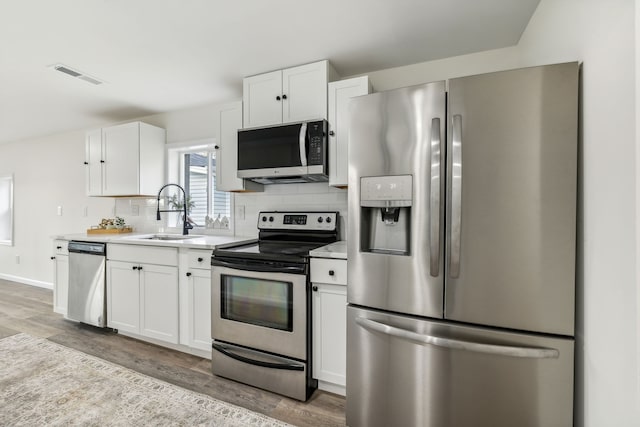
<point x="59" y="210"/>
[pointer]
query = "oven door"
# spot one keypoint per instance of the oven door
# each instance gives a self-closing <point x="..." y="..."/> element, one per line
<point x="264" y="310"/>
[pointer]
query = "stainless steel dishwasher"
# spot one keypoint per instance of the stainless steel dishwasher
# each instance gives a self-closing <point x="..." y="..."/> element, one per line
<point x="87" y="291"/>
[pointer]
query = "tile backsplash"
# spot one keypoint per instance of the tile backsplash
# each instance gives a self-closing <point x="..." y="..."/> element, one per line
<point x="140" y="212"/>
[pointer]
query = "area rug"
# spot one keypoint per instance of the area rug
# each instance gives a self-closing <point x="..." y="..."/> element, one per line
<point x="44" y="383"/>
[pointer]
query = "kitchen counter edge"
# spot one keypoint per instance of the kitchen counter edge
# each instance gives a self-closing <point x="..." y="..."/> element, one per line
<point x="203" y="242"/>
<point x="333" y="250"/>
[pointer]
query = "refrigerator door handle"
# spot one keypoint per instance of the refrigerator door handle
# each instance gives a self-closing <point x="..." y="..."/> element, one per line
<point x="456" y="196"/>
<point x="434" y="202"/>
<point x="501" y="350"/>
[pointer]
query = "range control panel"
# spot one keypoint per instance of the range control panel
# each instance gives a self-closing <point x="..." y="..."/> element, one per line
<point x="308" y="221"/>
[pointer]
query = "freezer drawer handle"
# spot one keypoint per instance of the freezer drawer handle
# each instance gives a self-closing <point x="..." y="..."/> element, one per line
<point x="434" y="203"/>
<point x="286" y="366"/>
<point x="456" y="196"/>
<point x="502" y="350"/>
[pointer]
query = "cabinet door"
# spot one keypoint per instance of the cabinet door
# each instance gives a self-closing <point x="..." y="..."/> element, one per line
<point x="305" y="89"/>
<point x="159" y="308"/>
<point x="340" y="93"/>
<point x="199" y="291"/>
<point x="61" y="284"/>
<point x="121" y="160"/>
<point x="330" y="333"/>
<point x="93" y="162"/>
<point x="262" y="97"/>
<point x="123" y="296"/>
<point x="228" y="120"/>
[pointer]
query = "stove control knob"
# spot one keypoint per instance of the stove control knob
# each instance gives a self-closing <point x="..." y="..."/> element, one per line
<point x="264" y="218"/>
<point x="320" y="219"/>
<point x="270" y="219"/>
<point x="328" y="219"/>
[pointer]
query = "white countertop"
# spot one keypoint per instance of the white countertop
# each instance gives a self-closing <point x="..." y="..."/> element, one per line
<point x="200" y="242"/>
<point x="333" y="250"/>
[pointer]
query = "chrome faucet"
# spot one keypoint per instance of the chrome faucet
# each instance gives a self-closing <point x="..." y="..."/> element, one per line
<point x="185" y="224"/>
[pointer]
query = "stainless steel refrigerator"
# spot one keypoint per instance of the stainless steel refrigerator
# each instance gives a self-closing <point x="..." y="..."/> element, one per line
<point x="461" y="248"/>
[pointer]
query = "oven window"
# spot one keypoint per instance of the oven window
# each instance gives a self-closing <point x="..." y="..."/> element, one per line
<point x="260" y="302"/>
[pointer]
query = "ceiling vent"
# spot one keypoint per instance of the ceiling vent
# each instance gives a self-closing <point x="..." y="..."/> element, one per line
<point x="77" y="74"/>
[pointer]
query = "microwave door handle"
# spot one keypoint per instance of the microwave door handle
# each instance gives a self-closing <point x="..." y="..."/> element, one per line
<point x="303" y="144"/>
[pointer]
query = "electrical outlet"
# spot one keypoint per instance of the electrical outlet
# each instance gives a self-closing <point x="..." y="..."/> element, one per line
<point x="17" y="259"/>
<point x="240" y="212"/>
<point x="135" y="210"/>
<point x="59" y="210"/>
<point x="86" y="211"/>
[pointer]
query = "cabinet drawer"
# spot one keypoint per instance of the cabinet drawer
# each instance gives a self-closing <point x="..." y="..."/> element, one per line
<point x="61" y="247"/>
<point x="143" y="254"/>
<point x="200" y="258"/>
<point x="325" y="270"/>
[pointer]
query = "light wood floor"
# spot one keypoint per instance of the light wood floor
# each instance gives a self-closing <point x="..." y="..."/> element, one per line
<point x="28" y="309"/>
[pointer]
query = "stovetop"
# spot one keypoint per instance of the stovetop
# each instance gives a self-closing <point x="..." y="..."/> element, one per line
<point x="286" y="236"/>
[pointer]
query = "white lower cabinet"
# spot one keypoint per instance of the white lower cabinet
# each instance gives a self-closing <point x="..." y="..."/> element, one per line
<point x="142" y="298"/>
<point x="61" y="278"/>
<point x="199" y="291"/>
<point x="328" y="279"/>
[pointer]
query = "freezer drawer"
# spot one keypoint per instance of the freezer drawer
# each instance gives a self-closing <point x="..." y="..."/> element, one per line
<point x="412" y="372"/>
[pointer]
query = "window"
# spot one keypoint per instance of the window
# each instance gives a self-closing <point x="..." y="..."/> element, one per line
<point x="193" y="166"/>
<point x="6" y="210"/>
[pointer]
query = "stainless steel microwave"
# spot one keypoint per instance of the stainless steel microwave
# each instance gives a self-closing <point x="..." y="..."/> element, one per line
<point x="289" y="153"/>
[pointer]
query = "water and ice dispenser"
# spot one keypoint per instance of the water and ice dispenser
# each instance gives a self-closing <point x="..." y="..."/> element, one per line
<point x="385" y="203"/>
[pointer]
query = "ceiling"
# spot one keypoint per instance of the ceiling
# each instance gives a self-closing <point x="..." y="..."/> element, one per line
<point x="164" y="55"/>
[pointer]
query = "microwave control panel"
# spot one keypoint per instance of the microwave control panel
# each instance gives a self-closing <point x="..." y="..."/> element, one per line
<point x="316" y="132"/>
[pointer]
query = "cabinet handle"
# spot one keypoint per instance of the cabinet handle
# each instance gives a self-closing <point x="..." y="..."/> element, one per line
<point x="332" y="273"/>
<point x="58" y="247"/>
<point x="188" y="274"/>
<point x="53" y="257"/>
<point x="200" y="259"/>
<point x="278" y="98"/>
<point x="86" y="163"/>
<point x="284" y="96"/>
<point x="101" y="161"/>
<point x="315" y="289"/>
<point x="140" y="268"/>
<point x="331" y="133"/>
<point x="134" y="267"/>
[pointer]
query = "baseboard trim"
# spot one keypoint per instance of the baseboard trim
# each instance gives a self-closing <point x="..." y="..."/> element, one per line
<point x="26" y="281"/>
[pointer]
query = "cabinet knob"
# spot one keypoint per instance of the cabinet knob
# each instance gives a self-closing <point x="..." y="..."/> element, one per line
<point x="332" y="273"/>
<point x="188" y="274"/>
<point x="200" y="259"/>
<point x="284" y="96"/>
<point x="134" y="268"/>
<point x="332" y="133"/>
<point x="58" y="247"/>
<point x="101" y="161"/>
<point x="278" y="98"/>
<point x="217" y="147"/>
<point x="53" y="257"/>
<point x="140" y="268"/>
<point x="315" y="289"/>
<point x="86" y="163"/>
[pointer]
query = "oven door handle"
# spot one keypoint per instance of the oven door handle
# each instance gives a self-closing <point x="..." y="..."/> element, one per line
<point x="262" y="268"/>
<point x="286" y="366"/>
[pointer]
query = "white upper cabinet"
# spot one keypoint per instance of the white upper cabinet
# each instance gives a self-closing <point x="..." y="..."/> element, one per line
<point x="125" y="160"/>
<point x="340" y="93"/>
<point x="291" y="95"/>
<point x="227" y="120"/>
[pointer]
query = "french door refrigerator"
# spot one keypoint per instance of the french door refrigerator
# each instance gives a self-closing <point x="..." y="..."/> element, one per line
<point x="461" y="248"/>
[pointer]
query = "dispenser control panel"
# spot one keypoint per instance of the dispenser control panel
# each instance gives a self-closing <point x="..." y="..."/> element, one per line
<point x="392" y="188"/>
